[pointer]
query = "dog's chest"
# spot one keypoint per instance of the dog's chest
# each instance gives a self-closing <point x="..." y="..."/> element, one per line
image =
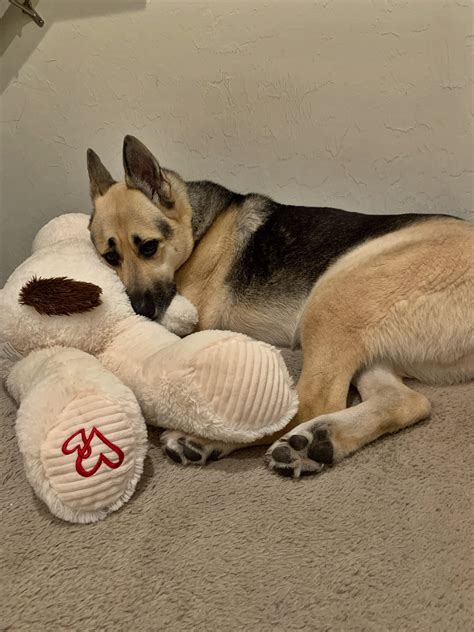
<point x="227" y="296"/>
<point x="202" y="278"/>
<point x="275" y="323"/>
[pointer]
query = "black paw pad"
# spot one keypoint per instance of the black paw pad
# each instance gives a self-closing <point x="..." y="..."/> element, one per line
<point x="214" y="456"/>
<point x="322" y="452"/>
<point x="191" y="454"/>
<point x="287" y="472"/>
<point x="298" y="442"/>
<point x="282" y="454"/>
<point x="174" y="456"/>
<point x="319" y="433"/>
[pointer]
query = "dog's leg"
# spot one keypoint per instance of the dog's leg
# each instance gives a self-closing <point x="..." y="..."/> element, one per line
<point x="402" y="300"/>
<point x="387" y="406"/>
<point x="191" y="450"/>
<point x="333" y="352"/>
<point x="325" y="380"/>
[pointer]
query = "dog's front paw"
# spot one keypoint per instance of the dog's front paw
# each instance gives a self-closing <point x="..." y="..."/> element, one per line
<point x="307" y="449"/>
<point x="189" y="450"/>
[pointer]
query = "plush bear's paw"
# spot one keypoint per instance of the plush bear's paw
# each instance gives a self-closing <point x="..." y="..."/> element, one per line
<point x="181" y="317"/>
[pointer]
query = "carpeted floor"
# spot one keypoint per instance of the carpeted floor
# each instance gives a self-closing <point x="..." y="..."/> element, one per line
<point x="380" y="542"/>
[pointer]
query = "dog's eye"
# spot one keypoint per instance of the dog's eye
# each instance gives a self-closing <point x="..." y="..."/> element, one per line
<point x="149" y="248"/>
<point x="112" y="258"/>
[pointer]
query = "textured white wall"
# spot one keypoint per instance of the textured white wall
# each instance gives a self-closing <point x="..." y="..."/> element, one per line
<point x="362" y="104"/>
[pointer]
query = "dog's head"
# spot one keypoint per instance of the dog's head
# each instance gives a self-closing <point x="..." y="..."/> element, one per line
<point x="141" y="227"/>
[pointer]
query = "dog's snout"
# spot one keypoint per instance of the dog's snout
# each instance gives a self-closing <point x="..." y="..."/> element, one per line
<point x="164" y="294"/>
<point x="143" y="304"/>
<point x="153" y="304"/>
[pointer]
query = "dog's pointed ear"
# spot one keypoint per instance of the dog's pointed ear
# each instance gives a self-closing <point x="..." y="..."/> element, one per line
<point x="143" y="172"/>
<point x="99" y="178"/>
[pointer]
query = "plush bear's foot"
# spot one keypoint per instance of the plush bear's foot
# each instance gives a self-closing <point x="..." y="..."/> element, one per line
<point x="81" y="433"/>
<point x="88" y="457"/>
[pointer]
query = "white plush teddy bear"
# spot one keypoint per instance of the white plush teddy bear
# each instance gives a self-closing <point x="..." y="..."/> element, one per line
<point x="84" y="368"/>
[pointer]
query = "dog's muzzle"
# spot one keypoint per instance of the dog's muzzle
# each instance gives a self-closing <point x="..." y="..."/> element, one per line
<point x="153" y="303"/>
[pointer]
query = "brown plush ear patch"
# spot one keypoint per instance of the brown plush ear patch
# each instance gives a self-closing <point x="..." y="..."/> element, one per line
<point x="60" y="296"/>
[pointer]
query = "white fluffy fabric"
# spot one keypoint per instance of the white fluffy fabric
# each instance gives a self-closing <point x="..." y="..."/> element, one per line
<point x="56" y="388"/>
<point x="239" y="393"/>
<point x="219" y="385"/>
<point x="214" y="384"/>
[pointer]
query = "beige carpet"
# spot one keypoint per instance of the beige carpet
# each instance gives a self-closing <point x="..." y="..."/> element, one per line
<point x="380" y="542"/>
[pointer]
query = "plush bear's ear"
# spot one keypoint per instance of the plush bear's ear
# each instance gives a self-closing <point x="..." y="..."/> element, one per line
<point x="99" y="178"/>
<point x="60" y="296"/>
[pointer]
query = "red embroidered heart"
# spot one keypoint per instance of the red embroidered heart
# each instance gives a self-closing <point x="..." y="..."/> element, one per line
<point x="81" y="443"/>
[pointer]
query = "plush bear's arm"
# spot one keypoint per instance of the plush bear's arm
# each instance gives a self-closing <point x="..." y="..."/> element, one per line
<point x="214" y="384"/>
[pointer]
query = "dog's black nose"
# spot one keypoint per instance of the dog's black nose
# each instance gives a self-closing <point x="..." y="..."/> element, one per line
<point x="144" y="305"/>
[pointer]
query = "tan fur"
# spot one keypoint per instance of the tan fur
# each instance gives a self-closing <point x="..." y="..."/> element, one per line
<point x="201" y="278"/>
<point x="387" y="406"/>
<point x="122" y="213"/>
<point x="405" y="298"/>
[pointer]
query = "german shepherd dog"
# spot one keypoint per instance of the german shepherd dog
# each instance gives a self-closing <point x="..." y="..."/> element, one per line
<point x="371" y="299"/>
